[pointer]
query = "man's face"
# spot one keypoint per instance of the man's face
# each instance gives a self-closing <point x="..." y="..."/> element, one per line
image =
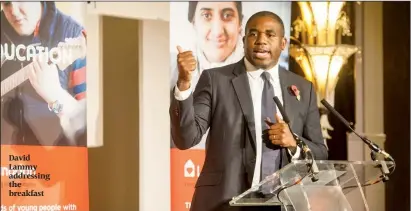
<point x="263" y="42"/>
<point x="22" y="16"/>
<point x="218" y="28"/>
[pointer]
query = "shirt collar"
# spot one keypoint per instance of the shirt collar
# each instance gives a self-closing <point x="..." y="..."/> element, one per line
<point x="256" y="73"/>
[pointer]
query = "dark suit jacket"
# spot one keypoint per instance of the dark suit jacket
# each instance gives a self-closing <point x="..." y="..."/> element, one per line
<point x="222" y="101"/>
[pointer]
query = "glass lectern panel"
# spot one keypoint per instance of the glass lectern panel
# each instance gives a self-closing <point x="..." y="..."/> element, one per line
<point x="294" y="186"/>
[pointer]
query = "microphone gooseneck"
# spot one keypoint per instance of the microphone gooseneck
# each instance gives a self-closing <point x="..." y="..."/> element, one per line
<point x="300" y="143"/>
<point x="374" y="147"/>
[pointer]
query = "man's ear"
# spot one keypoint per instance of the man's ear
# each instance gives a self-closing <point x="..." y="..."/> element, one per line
<point x="283" y="43"/>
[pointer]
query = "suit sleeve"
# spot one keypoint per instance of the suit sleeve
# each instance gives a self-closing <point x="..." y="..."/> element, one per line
<point x="190" y="118"/>
<point x="312" y="134"/>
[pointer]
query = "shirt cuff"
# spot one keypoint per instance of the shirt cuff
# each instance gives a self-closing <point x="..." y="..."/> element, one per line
<point x="181" y="95"/>
<point x="74" y="122"/>
<point x="296" y="155"/>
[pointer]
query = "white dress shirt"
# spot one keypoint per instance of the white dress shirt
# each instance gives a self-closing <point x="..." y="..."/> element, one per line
<point x="256" y="86"/>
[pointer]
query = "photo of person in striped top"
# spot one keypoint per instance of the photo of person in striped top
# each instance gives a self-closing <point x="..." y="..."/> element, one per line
<point x="43" y="102"/>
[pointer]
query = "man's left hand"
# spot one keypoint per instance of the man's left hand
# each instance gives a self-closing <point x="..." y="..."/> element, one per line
<point x="279" y="134"/>
<point x="45" y="79"/>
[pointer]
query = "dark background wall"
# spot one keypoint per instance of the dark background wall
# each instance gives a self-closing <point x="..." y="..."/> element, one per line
<point x="396" y="38"/>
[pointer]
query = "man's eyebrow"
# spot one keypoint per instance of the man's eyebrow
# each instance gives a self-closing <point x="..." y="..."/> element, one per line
<point x="270" y="31"/>
<point x="266" y="31"/>
<point x="206" y="8"/>
<point x="228" y="9"/>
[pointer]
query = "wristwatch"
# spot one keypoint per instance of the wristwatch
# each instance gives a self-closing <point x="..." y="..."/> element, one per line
<point x="55" y="107"/>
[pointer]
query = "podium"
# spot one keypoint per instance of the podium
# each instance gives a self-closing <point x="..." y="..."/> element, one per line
<point x="295" y="188"/>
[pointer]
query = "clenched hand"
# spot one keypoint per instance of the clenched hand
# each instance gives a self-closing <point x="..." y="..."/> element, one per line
<point x="186" y="64"/>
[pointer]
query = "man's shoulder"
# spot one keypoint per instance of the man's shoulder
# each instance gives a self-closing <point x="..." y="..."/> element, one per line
<point x="70" y="25"/>
<point x="297" y="79"/>
<point x="224" y="70"/>
<point x="294" y="76"/>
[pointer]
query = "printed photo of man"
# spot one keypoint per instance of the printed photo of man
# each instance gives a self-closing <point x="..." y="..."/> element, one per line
<point x="42" y="103"/>
<point x="217" y="29"/>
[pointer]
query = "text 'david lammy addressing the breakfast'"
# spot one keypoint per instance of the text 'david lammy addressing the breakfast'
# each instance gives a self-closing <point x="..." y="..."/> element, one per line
<point x="21" y="171"/>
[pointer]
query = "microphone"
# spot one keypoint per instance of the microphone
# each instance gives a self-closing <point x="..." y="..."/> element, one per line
<point x="287" y="120"/>
<point x="374" y="147"/>
<point x="300" y="142"/>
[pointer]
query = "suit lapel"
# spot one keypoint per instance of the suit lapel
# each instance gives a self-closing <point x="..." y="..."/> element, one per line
<point x="289" y="100"/>
<point x="243" y="91"/>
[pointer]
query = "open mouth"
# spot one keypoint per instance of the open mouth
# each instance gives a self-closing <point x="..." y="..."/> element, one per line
<point x="261" y="53"/>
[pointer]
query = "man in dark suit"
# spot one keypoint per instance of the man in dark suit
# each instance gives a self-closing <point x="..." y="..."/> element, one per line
<point x="236" y="103"/>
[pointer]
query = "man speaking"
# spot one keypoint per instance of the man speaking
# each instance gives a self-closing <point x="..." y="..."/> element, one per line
<point x="236" y="103"/>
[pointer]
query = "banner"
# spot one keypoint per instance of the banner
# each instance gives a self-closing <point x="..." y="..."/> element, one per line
<point x="214" y="32"/>
<point x="43" y="107"/>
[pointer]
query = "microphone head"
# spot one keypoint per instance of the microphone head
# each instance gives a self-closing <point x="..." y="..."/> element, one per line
<point x="326" y="104"/>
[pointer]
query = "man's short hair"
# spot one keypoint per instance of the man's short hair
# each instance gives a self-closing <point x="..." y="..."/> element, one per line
<point x="266" y="14"/>
<point x="192" y="6"/>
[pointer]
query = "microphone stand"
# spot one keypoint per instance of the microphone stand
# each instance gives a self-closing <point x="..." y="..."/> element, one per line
<point x="373" y="154"/>
<point x="373" y="147"/>
<point x="308" y="156"/>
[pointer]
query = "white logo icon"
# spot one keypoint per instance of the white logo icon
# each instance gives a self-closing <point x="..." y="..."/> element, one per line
<point x="190" y="169"/>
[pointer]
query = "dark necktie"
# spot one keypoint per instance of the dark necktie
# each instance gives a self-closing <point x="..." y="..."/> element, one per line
<point x="270" y="159"/>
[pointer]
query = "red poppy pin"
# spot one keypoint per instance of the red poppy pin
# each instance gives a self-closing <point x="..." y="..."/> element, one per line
<point x="296" y="92"/>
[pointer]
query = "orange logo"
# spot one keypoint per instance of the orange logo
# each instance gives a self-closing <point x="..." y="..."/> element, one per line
<point x="186" y="166"/>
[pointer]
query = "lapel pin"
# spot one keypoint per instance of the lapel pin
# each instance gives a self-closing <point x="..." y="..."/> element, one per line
<point x="296" y="92"/>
